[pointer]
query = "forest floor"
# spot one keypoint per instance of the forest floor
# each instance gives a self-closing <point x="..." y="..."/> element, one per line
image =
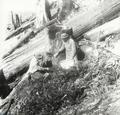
<point x="93" y="90"/>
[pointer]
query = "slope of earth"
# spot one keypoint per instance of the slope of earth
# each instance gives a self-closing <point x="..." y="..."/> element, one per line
<point x="93" y="90"/>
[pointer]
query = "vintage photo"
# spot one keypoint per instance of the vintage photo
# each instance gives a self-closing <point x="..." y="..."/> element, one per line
<point x="59" y="57"/>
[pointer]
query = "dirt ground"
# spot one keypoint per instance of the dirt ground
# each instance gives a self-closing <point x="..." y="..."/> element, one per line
<point x="93" y="90"/>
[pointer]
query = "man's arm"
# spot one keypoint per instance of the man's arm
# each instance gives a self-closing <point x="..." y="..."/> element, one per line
<point x="43" y="68"/>
<point x="60" y="50"/>
<point x="73" y="48"/>
<point x="32" y="65"/>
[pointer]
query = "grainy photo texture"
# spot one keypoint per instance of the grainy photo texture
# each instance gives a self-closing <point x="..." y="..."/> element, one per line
<point x="59" y="57"/>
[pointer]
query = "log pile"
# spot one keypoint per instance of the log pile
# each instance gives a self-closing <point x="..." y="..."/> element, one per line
<point x="94" y="24"/>
<point x="20" y="57"/>
<point x="99" y="33"/>
<point x="14" y="60"/>
<point x="92" y="18"/>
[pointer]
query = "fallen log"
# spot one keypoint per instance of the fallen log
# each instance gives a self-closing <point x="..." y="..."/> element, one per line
<point x="28" y="25"/>
<point x="106" y="29"/>
<point x="23" y="38"/>
<point x="17" y="44"/>
<point x="94" y="17"/>
<point x="19" y="59"/>
<point x="9" y="106"/>
<point x="20" y="30"/>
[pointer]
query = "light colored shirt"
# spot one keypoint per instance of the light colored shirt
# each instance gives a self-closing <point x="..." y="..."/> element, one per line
<point x="70" y="48"/>
<point x="41" y="14"/>
<point x="71" y="55"/>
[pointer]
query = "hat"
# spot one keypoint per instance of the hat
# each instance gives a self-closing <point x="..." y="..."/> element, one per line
<point x="39" y="56"/>
<point x="67" y="30"/>
<point x="64" y="35"/>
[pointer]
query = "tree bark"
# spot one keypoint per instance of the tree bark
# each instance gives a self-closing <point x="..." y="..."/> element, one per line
<point x="19" y="59"/>
<point x="20" y="30"/>
<point x="23" y="38"/>
<point x="106" y="29"/>
<point x="15" y="60"/>
<point x="83" y="22"/>
<point x="19" y="42"/>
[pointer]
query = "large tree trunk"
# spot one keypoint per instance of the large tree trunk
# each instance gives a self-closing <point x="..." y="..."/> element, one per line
<point x="14" y="46"/>
<point x="17" y="61"/>
<point x="20" y="59"/>
<point x="92" y="18"/>
<point x="17" y="44"/>
<point x="20" y="29"/>
<point x="106" y="29"/>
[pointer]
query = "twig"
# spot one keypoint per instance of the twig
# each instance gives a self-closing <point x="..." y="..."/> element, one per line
<point x="10" y="103"/>
<point x="89" y="110"/>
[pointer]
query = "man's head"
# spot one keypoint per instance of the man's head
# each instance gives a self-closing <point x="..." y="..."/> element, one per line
<point x="66" y="33"/>
<point x="39" y="57"/>
<point x="65" y="36"/>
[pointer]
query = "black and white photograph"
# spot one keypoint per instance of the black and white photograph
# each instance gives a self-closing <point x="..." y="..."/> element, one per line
<point x="59" y="57"/>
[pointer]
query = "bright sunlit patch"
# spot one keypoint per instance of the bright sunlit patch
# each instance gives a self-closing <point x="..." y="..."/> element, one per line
<point x="67" y="64"/>
<point x="16" y="6"/>
<point x="115" y="49"/>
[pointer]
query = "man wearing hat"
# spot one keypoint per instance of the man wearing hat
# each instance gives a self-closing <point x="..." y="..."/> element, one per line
<point x="39" y="62"/>
<point x="70" y="49"/>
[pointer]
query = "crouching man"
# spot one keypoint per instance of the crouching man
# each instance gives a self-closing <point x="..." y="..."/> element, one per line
<point x="40" y="63"/>
<point x="70" y="49"/>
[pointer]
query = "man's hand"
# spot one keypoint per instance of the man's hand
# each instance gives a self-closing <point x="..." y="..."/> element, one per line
<point x="56" y="54"/>
<point x="47" y="69"/>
